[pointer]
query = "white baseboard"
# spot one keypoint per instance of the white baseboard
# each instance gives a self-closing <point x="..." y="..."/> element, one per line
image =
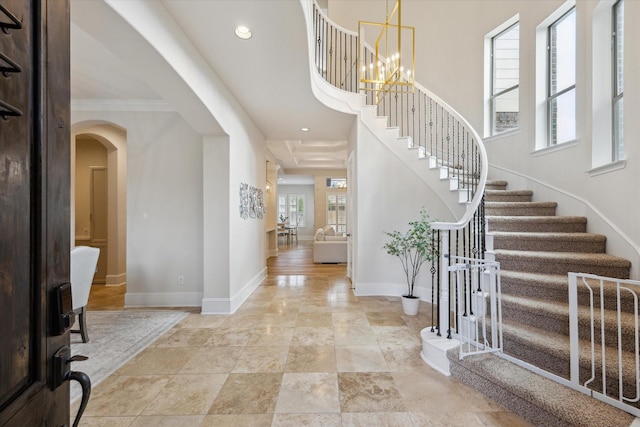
<point x="230" y="305"/>
<point x="162" y="299"/>
<point x="382" y="289"/>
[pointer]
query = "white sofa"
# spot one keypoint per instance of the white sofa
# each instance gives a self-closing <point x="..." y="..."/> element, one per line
<point x="329" y="246"/>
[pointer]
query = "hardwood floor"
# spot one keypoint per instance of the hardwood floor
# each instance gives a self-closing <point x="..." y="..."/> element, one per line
<point x="293" y="259"/>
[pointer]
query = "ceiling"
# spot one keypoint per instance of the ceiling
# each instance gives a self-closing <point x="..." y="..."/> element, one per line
<point x="268" y="74"/>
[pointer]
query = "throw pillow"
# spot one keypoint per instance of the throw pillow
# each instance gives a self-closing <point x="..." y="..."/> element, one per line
<point x="319" y="234"/>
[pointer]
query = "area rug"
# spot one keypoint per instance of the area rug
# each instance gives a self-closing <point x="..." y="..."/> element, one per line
<point x="115" y="337"/>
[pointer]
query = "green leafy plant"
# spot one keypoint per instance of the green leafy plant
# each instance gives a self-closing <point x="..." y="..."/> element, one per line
<point x="283" y="218"/>
<point x="413" y="248"/>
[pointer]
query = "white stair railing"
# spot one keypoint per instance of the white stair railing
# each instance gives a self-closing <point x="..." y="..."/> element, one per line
<point x="609" y="344"/>
<point x="479" y="308"/>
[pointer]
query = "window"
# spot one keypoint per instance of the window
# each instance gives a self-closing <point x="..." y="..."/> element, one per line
<point x="618" y="80"/>
<point x="337" y="211"/>
<point x="295" y="209"/>
<point x="505" y="80"/>
<point x="561" y="63"/>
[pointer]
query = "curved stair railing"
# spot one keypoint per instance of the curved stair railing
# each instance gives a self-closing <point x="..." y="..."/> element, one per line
<point x="441" y="136"/>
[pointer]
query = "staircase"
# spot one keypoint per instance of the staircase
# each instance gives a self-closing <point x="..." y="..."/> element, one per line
<point x="536" y="249"/>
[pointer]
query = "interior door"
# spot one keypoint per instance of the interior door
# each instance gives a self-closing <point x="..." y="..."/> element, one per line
<point x="34" y="206"/>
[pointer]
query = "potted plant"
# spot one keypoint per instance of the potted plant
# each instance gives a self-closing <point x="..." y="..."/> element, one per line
<point x="413" y="248"/>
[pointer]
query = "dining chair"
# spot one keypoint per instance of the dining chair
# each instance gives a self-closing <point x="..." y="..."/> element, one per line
<point x="84" y="260"/>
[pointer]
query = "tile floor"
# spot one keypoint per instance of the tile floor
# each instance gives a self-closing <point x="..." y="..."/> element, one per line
<point x="301" y="351"/>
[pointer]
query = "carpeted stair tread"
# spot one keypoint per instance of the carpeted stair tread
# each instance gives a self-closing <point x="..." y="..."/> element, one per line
<point x="508" y="195"/>
<point x="493" y="184"/>
<point x="568" y="224"/>
<point x="563" y="262"/>
<point x="540" y="400"/>
<point x="521" y="208"/>
<point x="556" y="242"/>
<point x="556" y="287"/>
<point x="553" y="316"/>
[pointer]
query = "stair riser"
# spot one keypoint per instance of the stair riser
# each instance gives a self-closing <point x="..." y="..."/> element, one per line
<point x="549" y="245"/>
<point x="496" y="224"/>
<point x="559" y="266"/>
<point x="520" y="211"/>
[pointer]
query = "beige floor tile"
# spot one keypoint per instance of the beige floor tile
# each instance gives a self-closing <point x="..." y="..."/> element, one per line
<point x="399" y="336"/>
<point x="307" y="420"/>
<point x="363" y="358"/>
<point x="255" y="393"/>
<point x="385" y="318"/>
<point x="200" y="321"/>
<point x="168" y="421"/>
<point x="502" y="419"/>
<point x="125" y="395"/>
<point x="368" y="392"/>
<point x="104" y="421"/>
<point x="227" y="337"/>
<point x="186" y="394"/>
<point x="402" y="359"/>
<point x="262" y="359"/>
<point x="446" y="419"/>
<point x="308" y="335"/>
<point x="272" y="337"/>
<point x="237" y="420"/>
<point x="350" y="318"/>
<point x="311" y="359"/>
<point x="189" y="337"/>
<point x="376" y="419"/>
<point x="158" y="361"/>
<point x="314" y="320"/>
<point x="308" y="392"/>
<point x="212" y="360"/>
<point x="354" y="335"/>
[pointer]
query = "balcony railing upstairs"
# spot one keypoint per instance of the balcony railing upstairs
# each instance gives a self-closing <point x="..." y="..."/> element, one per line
<point x="440" y="135"/>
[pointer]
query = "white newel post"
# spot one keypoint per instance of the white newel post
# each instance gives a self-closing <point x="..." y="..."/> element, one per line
<point x="444" y="283"/>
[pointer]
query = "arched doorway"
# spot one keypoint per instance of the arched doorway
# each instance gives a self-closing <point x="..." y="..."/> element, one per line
<point x="100" y="218"/>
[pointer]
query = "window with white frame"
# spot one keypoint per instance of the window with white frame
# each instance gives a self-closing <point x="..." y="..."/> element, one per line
<point x="618" y="80"/>
<point x="337" y="211"/>
<point x="295" y="209"/>
<point x="561" y="79"/>
<point x="505" y="80"/>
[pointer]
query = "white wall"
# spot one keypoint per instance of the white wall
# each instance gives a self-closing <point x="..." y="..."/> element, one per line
<point x="389" y="195"/>
<point x="164" y="207"/>
<point x="450" y="62"/>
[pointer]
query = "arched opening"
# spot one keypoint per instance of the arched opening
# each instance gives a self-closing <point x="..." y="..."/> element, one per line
<point x="98" y="196"/>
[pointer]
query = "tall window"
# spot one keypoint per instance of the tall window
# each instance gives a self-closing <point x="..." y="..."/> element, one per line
<point x="618" y="79"/>
<point x="561" y="99"/>
<point x="337" y="211"/>
<point x="505" y="80"/>
<point x="291" y="209"/>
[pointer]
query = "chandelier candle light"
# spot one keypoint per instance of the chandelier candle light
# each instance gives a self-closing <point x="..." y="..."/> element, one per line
<point x="380" y="70"/>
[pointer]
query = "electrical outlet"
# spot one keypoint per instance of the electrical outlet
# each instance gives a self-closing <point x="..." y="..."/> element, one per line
<point x="180" y="280"/>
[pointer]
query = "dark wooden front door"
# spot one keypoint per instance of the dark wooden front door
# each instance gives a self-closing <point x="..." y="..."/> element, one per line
<point x="34" y="206"/>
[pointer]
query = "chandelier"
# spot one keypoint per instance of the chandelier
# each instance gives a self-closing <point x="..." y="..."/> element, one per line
<point x="388" y="65"/>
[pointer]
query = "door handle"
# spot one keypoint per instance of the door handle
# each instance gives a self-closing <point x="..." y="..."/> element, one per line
<point x="62" y="372"/>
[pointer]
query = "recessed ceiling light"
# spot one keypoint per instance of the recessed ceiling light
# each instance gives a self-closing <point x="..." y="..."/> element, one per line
<point x="305" y="129"/>
<point x="243" y="32"/>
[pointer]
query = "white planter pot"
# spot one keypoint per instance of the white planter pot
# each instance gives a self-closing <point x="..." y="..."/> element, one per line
<point x="410" y="305"/>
